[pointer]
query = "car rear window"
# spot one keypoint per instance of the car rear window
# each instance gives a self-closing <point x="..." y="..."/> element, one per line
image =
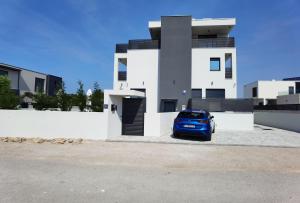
<point x="191" y="115"/>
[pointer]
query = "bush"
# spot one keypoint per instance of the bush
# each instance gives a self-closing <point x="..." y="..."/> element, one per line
<point x="8" y="99"/>
<point x="44" y="102"/>
<point x="64" y="100"/>
<point x="81" y="97"/>
<point x="97" y="99"/>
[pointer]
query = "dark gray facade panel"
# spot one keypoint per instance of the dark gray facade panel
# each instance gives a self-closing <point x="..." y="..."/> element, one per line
<point x="175" y="59"/>
<point x="53" y="84"/>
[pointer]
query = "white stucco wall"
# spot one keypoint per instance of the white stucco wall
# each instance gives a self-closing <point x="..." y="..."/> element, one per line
<point x="114" y="119"/>
<point x="161" y="124"/>
<point x="119" y="85"/>
<point x="268" y="89"/>
<point x="288" y="120"/>
<point x="53" y="124"/>
<point x="142" y="69"/>
<point x="203" y="78"/>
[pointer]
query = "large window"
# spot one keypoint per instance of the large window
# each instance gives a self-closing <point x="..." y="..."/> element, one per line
<point x="3" y="73"/>
<point x="291" y="90"/>
<point x="168" y="105"/>
<point x="197" y="93"/>
<point x="39" y="85"/>
<point x="215" y="64"/>
<point x="254" y="92"/>
<point x="228" y="65"/>
<point x="215" y="93"/>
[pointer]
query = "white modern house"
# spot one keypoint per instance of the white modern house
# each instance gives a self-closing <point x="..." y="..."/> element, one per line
<point x="267" y="92"/>
<point x="185" y="58"/>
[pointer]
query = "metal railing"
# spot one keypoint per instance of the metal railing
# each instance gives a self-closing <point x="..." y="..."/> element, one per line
<point x="122" y="75"/>
<point x="144" y="44"/>
<point x="287" y="107"/>
<point x="221" y="104"/>
<point x="121" y="48"/>
<point x="213" y="42"/>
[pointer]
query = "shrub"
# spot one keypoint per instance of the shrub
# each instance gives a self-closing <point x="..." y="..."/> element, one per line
<point x="8" y="99"/>
<point x="97" y="99"/>
<point x="81" y="97"/>
<point x="44" y="102"/>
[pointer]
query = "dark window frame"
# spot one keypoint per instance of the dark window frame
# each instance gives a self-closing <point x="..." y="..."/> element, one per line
<point x="291" y="90"/>
<point x="254" y="92"/>
<point x="215" y="59"/>
<point x="215" y="89"/>
<point x="163" y="105"/>
<point x="37" y="84"/>
<point x="195" y="91"/>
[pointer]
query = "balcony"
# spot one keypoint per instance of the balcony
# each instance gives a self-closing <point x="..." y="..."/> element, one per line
<point x="144" y="44"/>
<point x="213" y="42"/>
<point x="122" y="75"/>
<point x="121" y="48"/>
<point x="228" y="73"/>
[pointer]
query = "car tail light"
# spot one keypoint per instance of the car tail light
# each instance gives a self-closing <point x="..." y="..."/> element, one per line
<point x="203" y="121"/>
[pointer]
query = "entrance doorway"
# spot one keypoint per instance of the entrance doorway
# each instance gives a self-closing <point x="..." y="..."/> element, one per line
<point x="133" y="116"/>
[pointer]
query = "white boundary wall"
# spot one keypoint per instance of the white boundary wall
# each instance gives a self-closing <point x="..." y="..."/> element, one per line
<point x="53" y="124"/>
<point x="160" y="124"/>
<point x="288" y="120"/>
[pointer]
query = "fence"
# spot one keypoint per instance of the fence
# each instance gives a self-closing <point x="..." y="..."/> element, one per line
<point x="221" y="105"/>
<point x="291" y="107"/>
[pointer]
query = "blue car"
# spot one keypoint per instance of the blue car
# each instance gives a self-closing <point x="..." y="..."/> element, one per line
<point x="194" y="122"/>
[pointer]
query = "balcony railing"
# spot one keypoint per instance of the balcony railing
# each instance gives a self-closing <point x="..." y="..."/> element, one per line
<point x="121" y="48"/>
<point x="122" y="75"/>
<point x="213" y="42"/>
<point x="228" y="72"/>
<point x="143" y="44"/>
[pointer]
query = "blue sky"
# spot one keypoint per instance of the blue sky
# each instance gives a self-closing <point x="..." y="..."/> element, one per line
<point x="76" y="38"/>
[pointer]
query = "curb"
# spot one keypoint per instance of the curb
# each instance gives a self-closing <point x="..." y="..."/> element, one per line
<point x="206" y="144"/>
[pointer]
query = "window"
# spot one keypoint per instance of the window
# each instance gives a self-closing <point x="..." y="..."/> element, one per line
<point x="3" y="73"/>
<point x="39" y="84"/>
<point x="254" y="92"/>
<point x="122" y="69"/>
<point x="215" y="93"/>
<point x="197" y="93"/>
<point x="192" y="115"/>
<point x="291" y="90"/>
<point x="168" y="105"/>
<point x="228" y="65"/>
<point x="215" y="64"/>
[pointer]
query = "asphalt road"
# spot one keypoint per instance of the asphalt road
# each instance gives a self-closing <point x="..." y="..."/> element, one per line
<point x="141" y="172"/>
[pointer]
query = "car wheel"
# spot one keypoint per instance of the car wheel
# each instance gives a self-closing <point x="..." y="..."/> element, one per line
<point x="207" y="137"/>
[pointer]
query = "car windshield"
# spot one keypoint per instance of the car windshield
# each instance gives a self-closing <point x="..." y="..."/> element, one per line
<point x="191" y="115"/>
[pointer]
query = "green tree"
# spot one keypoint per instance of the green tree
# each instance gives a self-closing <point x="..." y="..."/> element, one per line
<point x="81" y="97"/>
<point x="8" y="99"/>
<point x="43" y="102"/>
<point x="64" y="101"/>
<point x="97" y="99"/>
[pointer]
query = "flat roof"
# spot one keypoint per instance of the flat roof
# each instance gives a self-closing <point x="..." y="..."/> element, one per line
<point x="15" y="68"/>
<point x="201" y="22"/>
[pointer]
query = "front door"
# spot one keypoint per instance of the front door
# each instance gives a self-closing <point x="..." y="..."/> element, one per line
<point x="133" y="116"/>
